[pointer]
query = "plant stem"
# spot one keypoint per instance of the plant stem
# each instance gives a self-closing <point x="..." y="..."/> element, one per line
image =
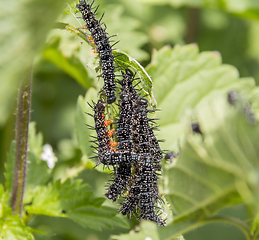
<point x="21" y="141"/>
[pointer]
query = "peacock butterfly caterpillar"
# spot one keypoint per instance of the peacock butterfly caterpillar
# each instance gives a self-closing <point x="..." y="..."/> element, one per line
<point x="101" y="41"/>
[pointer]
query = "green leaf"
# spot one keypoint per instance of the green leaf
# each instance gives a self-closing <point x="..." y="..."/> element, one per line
<point x="188" y="82"/>
<point x="4" y="202"/>
<point x="183" y="79"/>
<point x="71" y="7"/>
<point x="126" y="61"/>
<point x="71" y="65"/>
<point x="183" y="227"/>
<point x="73" y="200"/>
<point x="22" y="35"/>
<point x="11" y="226"/>
<point x="222" y="170"/>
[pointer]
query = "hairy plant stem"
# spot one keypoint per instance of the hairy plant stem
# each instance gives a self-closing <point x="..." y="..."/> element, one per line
<point x="21" y="143"/>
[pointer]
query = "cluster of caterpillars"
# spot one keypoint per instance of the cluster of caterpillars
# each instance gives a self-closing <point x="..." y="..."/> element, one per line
<point x="135" y="156"/>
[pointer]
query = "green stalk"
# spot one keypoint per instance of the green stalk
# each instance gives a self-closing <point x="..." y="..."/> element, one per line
<point x="21" y="143"/>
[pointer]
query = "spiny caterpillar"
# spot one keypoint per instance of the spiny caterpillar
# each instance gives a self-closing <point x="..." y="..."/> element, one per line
<point x="101" y="40"/>
<point x="143" y="193"/>
<point x="136" y="158"/>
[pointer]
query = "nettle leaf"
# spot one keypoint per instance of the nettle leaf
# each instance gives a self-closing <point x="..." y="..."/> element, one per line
<point x="125" y="61"/>
<point x="4" y="201"/>
<point x="73" y="200"/>
<point x="183" y="79"/>
<point x="11" y="226"/>
<point x="216" y="172"/>
<point x="21" y="38"/>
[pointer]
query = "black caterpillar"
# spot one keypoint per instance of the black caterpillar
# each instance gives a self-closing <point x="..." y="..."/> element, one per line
<point x="103" y="47"/>
<point x="103" y="139"/>
<point x="107" y="154"/>
<point x="143" y="193"/>
<point x="100" y="127"/>
<point x="124" y="123"/>
<point x="137" y="156"/>
<point x="122" y="174"/>
<point x="146" y="178"/>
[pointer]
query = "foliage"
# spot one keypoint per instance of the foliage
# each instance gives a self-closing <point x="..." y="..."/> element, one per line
<point x="12" y="227"/>
<point x="71" y="200"/>
<point x="222" y="167"/>
<point x="186" y="78"/>
<point x="214" y="172"/>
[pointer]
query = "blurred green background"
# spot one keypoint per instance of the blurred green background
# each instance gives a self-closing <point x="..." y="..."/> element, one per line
<point x="141" y="25"/>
